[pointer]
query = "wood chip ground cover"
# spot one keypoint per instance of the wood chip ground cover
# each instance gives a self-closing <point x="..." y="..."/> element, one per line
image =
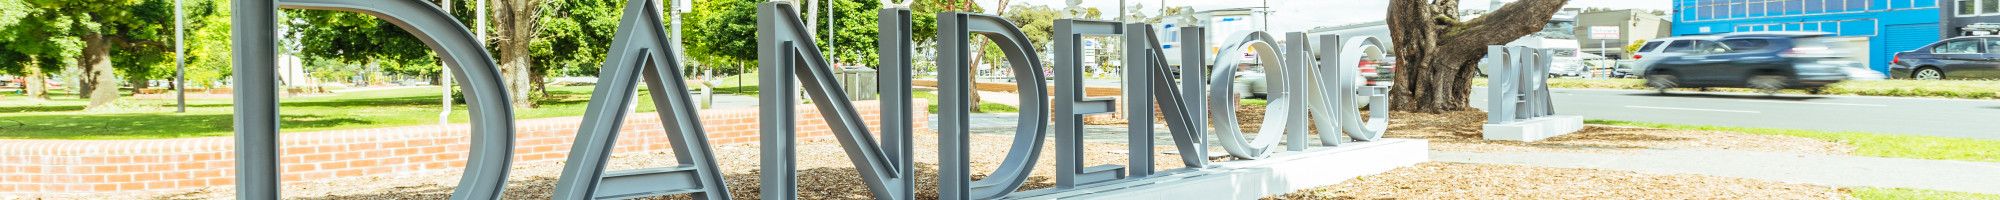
<point x="827" y="174"/>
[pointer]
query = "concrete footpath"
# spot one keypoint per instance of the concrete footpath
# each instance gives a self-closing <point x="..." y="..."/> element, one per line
<point x="1833" y="170"/>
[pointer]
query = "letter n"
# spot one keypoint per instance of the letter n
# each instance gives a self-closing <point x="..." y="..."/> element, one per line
<point x="785" y="51"/>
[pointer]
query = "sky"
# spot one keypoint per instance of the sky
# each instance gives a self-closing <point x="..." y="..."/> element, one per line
<point x="1300" y="15"/>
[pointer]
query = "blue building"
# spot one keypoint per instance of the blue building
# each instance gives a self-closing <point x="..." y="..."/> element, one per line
<point x="1883" y="26"/>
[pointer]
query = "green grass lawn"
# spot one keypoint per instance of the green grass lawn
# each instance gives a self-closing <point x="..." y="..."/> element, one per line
<point x="984" y="107"/>
<point x="1866" y="144"/>
<point x="64" y="118"/>
<point x="1916" y="194"/>
<point x="1963" y="89"/>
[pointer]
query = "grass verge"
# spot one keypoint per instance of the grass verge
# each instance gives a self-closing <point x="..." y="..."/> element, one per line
<point x="1961" y="89"/>
<point x="1865" y="144"/>
<point x="984" y="107"/>
<point x="1870" y="193"/>
<point x="63" y="116"/>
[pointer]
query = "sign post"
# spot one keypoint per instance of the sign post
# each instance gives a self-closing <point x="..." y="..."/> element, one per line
<point x="1606" y="33"/>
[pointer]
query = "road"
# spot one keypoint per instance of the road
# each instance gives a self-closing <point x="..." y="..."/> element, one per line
<point x="1889" y="115"/>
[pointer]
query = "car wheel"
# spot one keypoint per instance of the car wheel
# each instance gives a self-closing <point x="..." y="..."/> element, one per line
<point x="1817" y="90"/>
<point x="1927" y="73"/>
<point x="1767" y="84"/>
<point x="1662" y="82"/>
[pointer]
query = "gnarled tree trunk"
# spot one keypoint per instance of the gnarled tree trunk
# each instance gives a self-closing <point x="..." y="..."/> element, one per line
<point x="514" y="23"/>
<point x="1438" y="55"/>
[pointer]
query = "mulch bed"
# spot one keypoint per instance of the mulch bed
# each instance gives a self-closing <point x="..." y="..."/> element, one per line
<point x="826" y="173"/>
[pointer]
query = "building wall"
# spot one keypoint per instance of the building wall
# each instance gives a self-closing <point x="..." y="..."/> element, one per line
<point x="1632" y="24"/>
<point x="1889" y="25"/>
<point x="1949" y="10"/>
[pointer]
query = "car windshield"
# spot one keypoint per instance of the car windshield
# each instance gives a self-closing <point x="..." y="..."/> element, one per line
<point x="1650" y="46"/>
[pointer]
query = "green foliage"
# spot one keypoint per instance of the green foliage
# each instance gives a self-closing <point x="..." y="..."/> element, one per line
<point x="722" y="32"/>
<point x="139" y="32"/>
<point x="575" y="35"/>
<point x="32" y="36"/>
<point x="1866" y="144"/>
<point x="923" y="17"/>
<point x="1634" y="47"/>
<point x="855" y="32"/>
<point x="349" y="37"/>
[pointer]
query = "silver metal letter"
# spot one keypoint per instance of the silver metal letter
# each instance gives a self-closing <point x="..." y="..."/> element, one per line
<point x="786" y="51"/>
<point x="257" y="109"/>
<point x="955" y="175"/>
<point x="640" y="48"/>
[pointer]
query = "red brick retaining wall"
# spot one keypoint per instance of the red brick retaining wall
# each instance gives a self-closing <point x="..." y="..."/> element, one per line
<point x="83" y="166"/>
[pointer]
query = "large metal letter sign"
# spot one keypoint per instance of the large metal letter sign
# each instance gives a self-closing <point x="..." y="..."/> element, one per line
<point x="1518" y="106"/>
<point x="1227" y="127"/>
<point x="1335" y="85"/>
<point x="1071" y="107"/>
<point x="640" y="48"/>
<point x="1147" y="70"/>
<point x="786" y="50"/>
<point x="257" y="109"/>
<point x="955" y="174"/>
<point x="1146" y="73"/>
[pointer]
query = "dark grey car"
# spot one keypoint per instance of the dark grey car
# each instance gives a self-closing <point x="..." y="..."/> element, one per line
<point x="1972" y="57"/>
<point x="1768" y="62"/>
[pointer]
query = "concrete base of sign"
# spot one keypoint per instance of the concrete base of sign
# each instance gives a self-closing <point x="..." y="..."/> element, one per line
<point x="1277" y="175"/>
<point x="1534" y="129"/>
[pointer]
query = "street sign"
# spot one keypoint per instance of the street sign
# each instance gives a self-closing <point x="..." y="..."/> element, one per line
<point x="1604" y="32"/>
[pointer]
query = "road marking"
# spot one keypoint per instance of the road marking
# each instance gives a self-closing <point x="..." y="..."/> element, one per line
<point x="1816" y="103"/>
<point x="1693" y="109"/>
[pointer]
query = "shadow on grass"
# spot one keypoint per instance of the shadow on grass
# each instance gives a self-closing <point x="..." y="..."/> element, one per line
<point x="48" y="108"/>
<point x="146" y="126"/>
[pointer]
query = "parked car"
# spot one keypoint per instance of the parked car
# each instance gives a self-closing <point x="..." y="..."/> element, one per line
<point x="1766" y="61"/>
<point x="1971" y="57"/>
<point x="1657" y="49"/>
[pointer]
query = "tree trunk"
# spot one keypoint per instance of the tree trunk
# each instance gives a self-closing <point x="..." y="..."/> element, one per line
<point x="514" y="22"/>
<point x="101" y="85"/>
<point x="540" y="80"/>
<point x="972" y="71"/>
<point x="37" y="85"/>
<point x="1438" y="55"/>
<point x="979" y="54"/>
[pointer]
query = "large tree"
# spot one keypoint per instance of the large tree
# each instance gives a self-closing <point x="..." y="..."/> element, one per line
<point x="717" y="32"/>
<point x="32" y="44"/>
<point x="135" y="31"/>
<point x="1438" y="54"/>
<point x="347" y="37"/>
<point x="574" y="37"/>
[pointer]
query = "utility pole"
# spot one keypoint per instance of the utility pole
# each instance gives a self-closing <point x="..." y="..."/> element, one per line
<point x="444" y="77"/>
<point x="180" y="60"/>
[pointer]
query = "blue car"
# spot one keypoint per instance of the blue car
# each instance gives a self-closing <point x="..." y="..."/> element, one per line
<point x="1766" y="61"/>
<point x="1971" y="57"/>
